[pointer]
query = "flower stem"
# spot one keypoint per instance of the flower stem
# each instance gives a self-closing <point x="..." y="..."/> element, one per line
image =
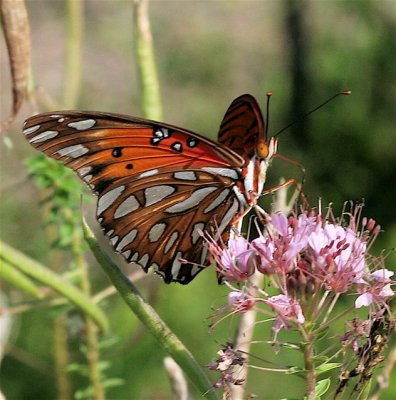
<point x="309" y="365"/>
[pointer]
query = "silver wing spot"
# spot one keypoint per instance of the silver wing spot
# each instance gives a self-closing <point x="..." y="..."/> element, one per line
<point x="171" y="241"/>
<point x="110" y="232"/>
<point x="114" y="240"/>
<point x="154" y="194"/>
<point x="156" y="232"/>
<point x="43" y="136"/>
<point x="126" y="254"/>
<point x="82" y="125"/>
<point x="127" y="239"/>
<point x="84" y="170"/>
<point x="229" y="215"/>
<point x="108" y="199"/>
<point x="32" y="129"/>
<point x="196" y="197"/>
<point x="228" y="172"/>
<point x="176" y="265"/>
<point x="195" y="269"/>
<point x="74" y="151"/>
<point x="195" y="232"/>
<point x="134" y="257"/>
<point x="87" y="178"/>
<point x="185" y="175"/>
<point x="144" y="260"/>
<point x="128" y="205"/>
<point x="148" y="173"/>
<point x="217" y="201"/>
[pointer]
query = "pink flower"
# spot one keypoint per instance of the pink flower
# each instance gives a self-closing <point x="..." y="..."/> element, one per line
<point x="237" y="261"/>
<point x="241" y="302"/>
<point x="376" y="289"/>
<point x="287" y="310"/>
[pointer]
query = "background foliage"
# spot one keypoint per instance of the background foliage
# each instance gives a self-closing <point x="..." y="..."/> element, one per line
<point x="207" y="54"/>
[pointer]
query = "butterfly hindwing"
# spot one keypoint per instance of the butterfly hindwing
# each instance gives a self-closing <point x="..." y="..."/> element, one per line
<point x="156" y="221"/>
<point x="242" y="126"/>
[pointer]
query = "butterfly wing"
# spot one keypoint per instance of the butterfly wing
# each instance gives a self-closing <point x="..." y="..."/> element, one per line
<point x="157" y="185"/>
<point x="242" y="126"/>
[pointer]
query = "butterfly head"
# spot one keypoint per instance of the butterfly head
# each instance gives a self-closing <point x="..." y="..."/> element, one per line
<point x="266" y="149"/>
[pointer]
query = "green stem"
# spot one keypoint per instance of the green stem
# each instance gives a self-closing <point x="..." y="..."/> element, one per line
<point x="92" y="340"/>
<point x="75" y="20"/>
<point x="44" y="275"/>
<point x="62" y="358"/>
<point x="309" y="365"/>
<point x="151" y="320"/>
<point x="147" y="72"/>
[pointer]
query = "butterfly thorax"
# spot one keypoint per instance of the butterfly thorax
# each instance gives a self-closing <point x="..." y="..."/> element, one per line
<point x="256" y="169"/>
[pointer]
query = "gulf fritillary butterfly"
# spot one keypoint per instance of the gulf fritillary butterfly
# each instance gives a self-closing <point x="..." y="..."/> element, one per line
<point x="158" y="185"/>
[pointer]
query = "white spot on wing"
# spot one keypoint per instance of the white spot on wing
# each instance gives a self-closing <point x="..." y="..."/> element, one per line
<point x="229" y="215"/>
<point x="144" y="260"/>
<point x="241" y="198"/>
<point x="134" y="257"/>
<point x="228" y="172"/>
<point x="217" y="201"/>
<point x="31" y="129"/>
<point x="126" y="254"/>
<point x="84" y="170"/>
<point x="127" y="239"/>
<point x="196" y="197"/>
<point x="87" y="178"/>
<point x="204" y="254"/>
<point x="74" y="151"/>
<point x="148" y="173"/>
<point x="155" y="194"/>
<point x="176" y="265"/>
<point x="108" y="199"/>
<point x="61" y="120"/>
<point x="82" y="125"/>
<point x="171" y="241"/>
<point x="128" y="205"/>
<point x="156" y="232"/>
<point x="43" y="136"/>
<point x="195" y="269"/>
<point x="195" y="233"/>
<point x="114" y="240"/>
<point x="185" y="175"/>
<point x="110" y="232"/>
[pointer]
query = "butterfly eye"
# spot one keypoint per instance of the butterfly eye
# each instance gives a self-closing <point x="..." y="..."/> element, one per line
<point x="262" y="149"/>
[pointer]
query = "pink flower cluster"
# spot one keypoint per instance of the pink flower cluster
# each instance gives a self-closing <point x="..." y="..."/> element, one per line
<point x="302" y="255"/>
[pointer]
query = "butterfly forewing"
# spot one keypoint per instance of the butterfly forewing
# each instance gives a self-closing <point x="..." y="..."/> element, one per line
<point x="158" y="186"/>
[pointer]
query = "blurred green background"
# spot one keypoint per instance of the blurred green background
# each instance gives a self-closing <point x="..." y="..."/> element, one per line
<point x="208" y="53"/>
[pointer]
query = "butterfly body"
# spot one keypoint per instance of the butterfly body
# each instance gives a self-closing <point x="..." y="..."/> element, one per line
<point x="158" y="185"/>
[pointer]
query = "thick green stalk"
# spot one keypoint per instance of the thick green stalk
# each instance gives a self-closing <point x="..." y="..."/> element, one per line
<point x="147" y="71"/>
<point x="92" y="340"/>
<point x="74" y="35"/>
<point x="151" y="320"/>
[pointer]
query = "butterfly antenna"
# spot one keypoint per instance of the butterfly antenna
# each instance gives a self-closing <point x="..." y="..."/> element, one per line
<point x="269" y="94"/>
<point x="344" y="92"/>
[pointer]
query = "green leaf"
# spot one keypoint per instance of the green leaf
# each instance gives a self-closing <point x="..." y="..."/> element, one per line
<point x="326" y="367"/>
<point x="322" y="387"/>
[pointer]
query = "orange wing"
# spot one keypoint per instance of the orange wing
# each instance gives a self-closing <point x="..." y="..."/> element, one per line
<point x="243" y="126"/>
<point x="157" y="185"/>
